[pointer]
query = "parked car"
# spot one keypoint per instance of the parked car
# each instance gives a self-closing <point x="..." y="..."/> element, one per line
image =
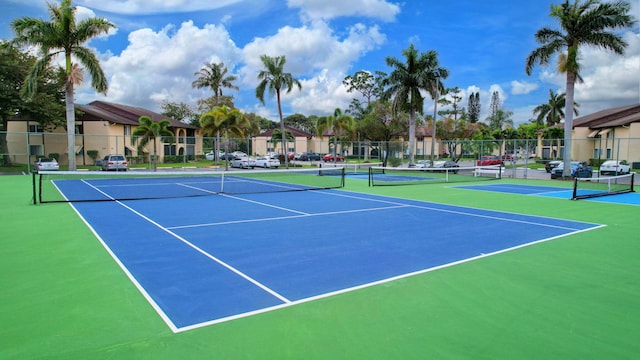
<point x="211" y="155"/>
<point x="114" y="162"/>
<point x="266" y="162"/>
<point x="614" y="167"/>
<point x="46" y="164"/>
<point x="552" y="165"/>
<point x="329" y="158"/>
<point x="421" y="164"/>
<point x="309" y="156"/>
<point x="446" y="164"/>
<point x="578" y="169"/>
<point x="509" y="157"/>
<point x="489" y="160"/>
<point x="240" y="162"/>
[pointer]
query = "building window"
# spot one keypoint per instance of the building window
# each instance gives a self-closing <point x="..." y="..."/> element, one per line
<point x="36" y="150"/>
<point x="36" y="128"/>
<point x="79" y="129"/>
<point x="127" y="130"/>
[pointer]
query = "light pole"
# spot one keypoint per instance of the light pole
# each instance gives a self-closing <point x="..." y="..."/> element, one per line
<point x="433" y="121"/>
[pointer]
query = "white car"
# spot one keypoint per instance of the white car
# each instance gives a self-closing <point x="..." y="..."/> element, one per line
<point x="211" y="155"/>
<point x="267" y="162"/>
<point x="614" y="167"/>
<point x="240" y="162"/>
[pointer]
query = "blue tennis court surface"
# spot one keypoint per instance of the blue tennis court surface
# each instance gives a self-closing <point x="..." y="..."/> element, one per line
<point x="204" y="260"/>
<point x="555" y="192"/>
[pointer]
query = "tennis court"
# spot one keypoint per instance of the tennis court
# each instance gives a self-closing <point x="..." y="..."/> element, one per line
<point x="230" y="256"/>
<point x="217" y="276"/>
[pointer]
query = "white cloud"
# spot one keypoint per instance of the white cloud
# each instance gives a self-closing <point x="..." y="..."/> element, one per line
<point x="329" y="9"/>
<point x="159" y="66"/>
<point x="311" y="50"/>
<point x="609" y="79"/>
<point x="522" y="88"/>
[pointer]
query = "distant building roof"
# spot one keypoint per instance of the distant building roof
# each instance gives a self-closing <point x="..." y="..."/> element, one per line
<point x="295" y="132"/>
<point x="122" y="114"/>
<point x="609" y="118"/>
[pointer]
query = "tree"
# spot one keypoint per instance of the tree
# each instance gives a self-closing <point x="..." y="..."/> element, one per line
<point x="588" y="23"/>
<point x="406" y="81"/>
<point x="180" y="111"/>
<point x="63" y="36"/>
<point x="453" y="93"/>
<point x="148" y="131"/>
<point x="456" y="133"/>
<point x="552" y="112"/>
<point x="46" y="106"/>
<point x="214" y="76"/>
<point x="338" y="124"/>
<point x="365" y="83"/>
<point x="474" y="107"/>
<point x="223" y="120"/>
<point x="300" y="122"/>
<point x="275" y="80"/>
<point x="383" y="124"/>
<point x="498" y="116"/>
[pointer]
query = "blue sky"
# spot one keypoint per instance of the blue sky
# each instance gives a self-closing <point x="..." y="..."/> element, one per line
<point x="158" y="46"/>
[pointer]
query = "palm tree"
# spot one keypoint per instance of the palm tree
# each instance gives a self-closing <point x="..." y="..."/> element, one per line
<point x="63" y="36"/>
<point x="338" y="123"/>
<point x="587" y="23"/>
<point x="407" y="80"/>
<point x="224" y="120"/>
<point x="149" y="130"/>
<point x="275" y="79"/>
<point x="214" y="76"/>
<point x="553" y="111"/>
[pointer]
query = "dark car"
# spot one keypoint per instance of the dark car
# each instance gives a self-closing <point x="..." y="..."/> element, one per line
<point x="579" y="169"/>
<point x="309" y="156"/>
<point x="552" y="165"/>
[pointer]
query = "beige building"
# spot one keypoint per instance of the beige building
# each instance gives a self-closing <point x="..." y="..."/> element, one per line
<point x="102" y="128"/>
<point x="608" y="134"/>
<point x="303" y="142"/>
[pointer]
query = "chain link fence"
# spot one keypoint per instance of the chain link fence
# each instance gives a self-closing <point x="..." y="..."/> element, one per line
<point x="26" y="148"/>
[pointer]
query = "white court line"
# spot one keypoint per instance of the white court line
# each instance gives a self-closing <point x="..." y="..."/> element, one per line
<point x="466" y="213"/>
<point x="303" y="215"/>
<point x="198" y="249"/>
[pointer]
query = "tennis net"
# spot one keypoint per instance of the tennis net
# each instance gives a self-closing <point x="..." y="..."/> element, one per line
<point x="380" y="176"/>
<point x="584" y="188"/>
<point x="75" y="186"/>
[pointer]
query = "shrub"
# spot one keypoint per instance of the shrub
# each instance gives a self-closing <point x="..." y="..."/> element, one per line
<point x="395" y="162"/>
<point x="55" y="156"/>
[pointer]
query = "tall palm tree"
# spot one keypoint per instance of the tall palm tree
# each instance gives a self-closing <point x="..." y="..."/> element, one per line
<point x="420" y="72"/>
<point x="148" y="131"/>
<point x="553" y="111"/>
<point x="224" y="120"/>
<point x="63" y="36"/>
<point x="338" y="123"/>
<point x="275" y="80"/>
<point x="214" y="76"/>
<point x="588" y="23"/>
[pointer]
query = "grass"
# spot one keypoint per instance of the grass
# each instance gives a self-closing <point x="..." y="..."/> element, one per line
<point x="575" y="297"/>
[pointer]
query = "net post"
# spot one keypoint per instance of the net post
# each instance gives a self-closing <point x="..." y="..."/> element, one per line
<point x="370" y="175"/>
<point x="575" y="189"/>
<point x="633" y="175"/>
<point x="33" y="188"/>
